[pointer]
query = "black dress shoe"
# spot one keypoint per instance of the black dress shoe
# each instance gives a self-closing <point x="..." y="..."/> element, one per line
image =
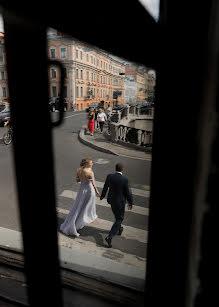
<point x="108" y="240"/>
<point x="120" y="231"/>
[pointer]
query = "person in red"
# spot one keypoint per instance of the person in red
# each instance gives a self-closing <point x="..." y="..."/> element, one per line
<point x="91" y="121"/>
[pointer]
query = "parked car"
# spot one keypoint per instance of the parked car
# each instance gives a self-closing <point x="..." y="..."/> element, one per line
<point x="119" y="107"/>
<point x="54" y="104"/>
<point x="92" y="105"/>
<point x="2" y="106"/>
<point x="4" y="115"/>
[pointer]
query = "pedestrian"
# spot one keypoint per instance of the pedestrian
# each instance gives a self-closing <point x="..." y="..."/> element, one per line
<point x="101" y="118"/>
<point x="91" y="121"/>
<point x="119" y="193"/>
<point x="72" y="105"/>
<point x="83" y="210"/>
<point x="96" y="122"/>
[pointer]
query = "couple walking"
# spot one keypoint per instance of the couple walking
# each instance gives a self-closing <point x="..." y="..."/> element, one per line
<point x="83" y="211"/>
<point x="98" y="117"/>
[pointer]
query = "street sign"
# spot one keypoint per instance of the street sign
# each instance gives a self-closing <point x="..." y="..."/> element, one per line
<point x="116" y="94"/>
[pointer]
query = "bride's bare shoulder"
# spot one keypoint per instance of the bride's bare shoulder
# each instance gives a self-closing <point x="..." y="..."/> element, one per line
<point x="89" y="174"/>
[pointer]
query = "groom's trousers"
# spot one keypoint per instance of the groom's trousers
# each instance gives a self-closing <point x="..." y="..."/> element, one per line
<point x="119" y="212"/>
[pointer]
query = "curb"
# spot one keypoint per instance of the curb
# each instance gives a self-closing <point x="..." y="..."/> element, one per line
<point x="82" y="140"/>
<point x="80" y="136"/>
<point x="119" y="281"/>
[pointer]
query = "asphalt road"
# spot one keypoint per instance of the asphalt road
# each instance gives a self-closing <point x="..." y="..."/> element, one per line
<point x="68" y="152"/>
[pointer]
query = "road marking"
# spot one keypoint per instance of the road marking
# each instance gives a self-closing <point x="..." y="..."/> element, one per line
<point x="137" y="192"/>
<point x="101" y="161"/>
<point x="68" y="116"/>
<point x="137" y="158"/>
<point x="73" y="115"/>
<point x="129" y="233"/>
<point x="93" y="249"/>
<point x="135" y="209"/>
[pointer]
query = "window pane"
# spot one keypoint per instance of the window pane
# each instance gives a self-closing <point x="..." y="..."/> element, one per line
<point x="4" y="92"/>
<point x="133" y="86"/>
<point x="63" y="52"/>
<point x="53" y="53"/>
<point x="53" y="73"/>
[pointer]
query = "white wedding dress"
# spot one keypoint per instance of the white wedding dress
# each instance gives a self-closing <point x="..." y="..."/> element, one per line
<point x="83" y="210"/>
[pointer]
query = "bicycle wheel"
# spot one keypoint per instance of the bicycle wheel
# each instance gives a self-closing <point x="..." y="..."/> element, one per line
<point x="7" y="138"/>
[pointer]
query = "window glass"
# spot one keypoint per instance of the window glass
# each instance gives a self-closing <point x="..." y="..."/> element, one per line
<point x="53" y="53"/>
<point x="63" y="52"/>
<point x="132" y="85"/>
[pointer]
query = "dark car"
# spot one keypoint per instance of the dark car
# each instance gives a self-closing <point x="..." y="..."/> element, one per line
<point x="4" y="115"/>
<point x="146" y="108"/>
<point x="119" y="107"/>
<point x="54" y="104"/>
<point x="92" y="105"/>
<point x="2" y="106"/>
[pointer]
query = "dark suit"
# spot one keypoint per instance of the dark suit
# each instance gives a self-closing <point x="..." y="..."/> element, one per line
<point x="119" y="193"/>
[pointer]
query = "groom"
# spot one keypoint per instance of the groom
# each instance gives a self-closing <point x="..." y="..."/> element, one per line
<point x="118" y="194"/>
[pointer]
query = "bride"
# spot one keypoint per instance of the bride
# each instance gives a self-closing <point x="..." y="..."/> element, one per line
<point x="83" y="210"/>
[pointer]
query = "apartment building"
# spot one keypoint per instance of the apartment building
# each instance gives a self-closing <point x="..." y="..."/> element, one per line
<point x="4" y="95"/>
<point x="136" y="83"/>
<point x="130" y="87"/>
<point x="142" y="85"/>
<point x="151" y="86"/>
<point x="91" y="75"/>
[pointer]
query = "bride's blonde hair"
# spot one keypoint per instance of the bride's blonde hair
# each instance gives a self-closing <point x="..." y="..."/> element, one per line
<point x="85" y="161"/>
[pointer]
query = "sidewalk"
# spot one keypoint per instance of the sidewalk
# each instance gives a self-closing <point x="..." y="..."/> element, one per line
<point x="99" y="142"/>
<point x="96" y="274"/>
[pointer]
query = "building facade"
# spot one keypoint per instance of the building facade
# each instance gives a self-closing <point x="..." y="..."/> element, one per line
<point x="151" y="86"/>
<point x="136" y="84"/>
<point x="91" y="75"/>
<point x="142" y="85"/>
<point x="130" y="87"/>
<point x="4" y="95"/>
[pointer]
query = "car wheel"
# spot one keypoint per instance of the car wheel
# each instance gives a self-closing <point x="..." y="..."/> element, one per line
<point x="7" y="138"/>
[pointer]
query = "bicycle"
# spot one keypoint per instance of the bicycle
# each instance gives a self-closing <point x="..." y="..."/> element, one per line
<point x="8" y="136"/>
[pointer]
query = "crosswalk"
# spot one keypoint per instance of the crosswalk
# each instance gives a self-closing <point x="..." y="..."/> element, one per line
<point x="130" y="248"/>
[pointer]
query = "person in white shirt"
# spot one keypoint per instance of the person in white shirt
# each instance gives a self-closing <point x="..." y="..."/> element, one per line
<point x="101" y="118"/>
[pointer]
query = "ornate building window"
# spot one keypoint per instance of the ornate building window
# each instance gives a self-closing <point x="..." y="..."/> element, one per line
<point x="52" y="52"/>
<point x="63" y="52"/>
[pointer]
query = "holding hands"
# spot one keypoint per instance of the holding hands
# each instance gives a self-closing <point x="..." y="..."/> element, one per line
<point x="98" y="193"/>
<point x="129" y="207"/>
